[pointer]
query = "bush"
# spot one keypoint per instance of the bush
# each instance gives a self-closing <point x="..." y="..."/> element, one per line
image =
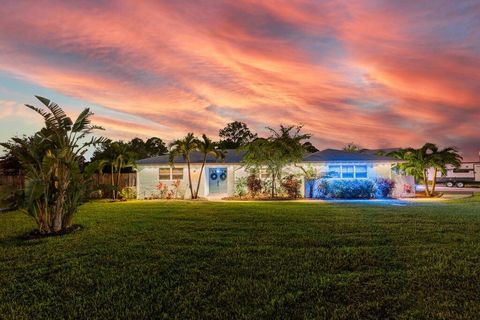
<point x="291" y="185"/>
<point x="254" y="185"/>
<point x="129" y="193"/>
<point x="96" y="194"/>
<point x="241" y="187"/>
<point x="383" y="188"/>
<point x="352" y="188"/>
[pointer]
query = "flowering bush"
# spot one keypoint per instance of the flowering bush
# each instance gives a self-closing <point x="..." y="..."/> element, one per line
<point x="163" y="190"/>
<point x="254" y="185"/>
<point x="383" y="187"/>
<point x="291" y="185"/>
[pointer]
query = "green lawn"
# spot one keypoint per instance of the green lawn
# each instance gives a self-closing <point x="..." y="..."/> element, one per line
<point x="247" y="260"/>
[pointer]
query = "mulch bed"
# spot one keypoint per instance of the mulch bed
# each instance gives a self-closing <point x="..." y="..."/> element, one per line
<point x="35" y="234"/>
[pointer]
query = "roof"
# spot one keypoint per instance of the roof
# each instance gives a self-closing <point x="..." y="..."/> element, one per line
<point x="332" y="155"/>
<point x="231" y="156"/>
<point x="236" y="156"/>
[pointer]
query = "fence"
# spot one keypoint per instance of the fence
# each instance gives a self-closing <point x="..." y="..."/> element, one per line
<point x="125" y="180"/>
<point x="12" y="181"/>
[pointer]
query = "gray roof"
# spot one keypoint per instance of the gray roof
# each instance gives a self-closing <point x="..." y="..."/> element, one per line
<point x="236" y="156"/>
<point x="231" y="156"/>
<point x="331" y="155"/>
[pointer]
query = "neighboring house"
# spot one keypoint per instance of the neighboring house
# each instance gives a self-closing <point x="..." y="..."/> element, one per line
<point x="218" y="178"/>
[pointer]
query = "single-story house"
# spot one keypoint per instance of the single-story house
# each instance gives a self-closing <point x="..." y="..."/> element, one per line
<point x="219" y="176"/>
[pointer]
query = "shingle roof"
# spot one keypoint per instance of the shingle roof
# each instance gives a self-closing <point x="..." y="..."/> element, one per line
<point x="231" y="156"/>
<point x="341" y="155"/>
<point x="236" y="156"/>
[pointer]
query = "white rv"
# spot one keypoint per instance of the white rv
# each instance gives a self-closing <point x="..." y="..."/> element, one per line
<point x="467" y="173"/>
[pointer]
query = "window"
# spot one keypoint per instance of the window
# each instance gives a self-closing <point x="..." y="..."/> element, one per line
<point x="360" y="171"/>
<point x="264" y="174"/>
<point x="347" y="172"/>
<point x="170" y="174"/>
<point x="177" y="173"/>
<point x="334" y="171"/>
<point x="164" y="174"/>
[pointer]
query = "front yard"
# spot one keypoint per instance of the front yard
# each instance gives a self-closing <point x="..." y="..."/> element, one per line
<point x="247" y="260"/>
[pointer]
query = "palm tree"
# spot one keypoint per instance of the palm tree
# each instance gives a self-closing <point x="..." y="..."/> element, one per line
<point x="442" y="158"/>
<point x="118" y="157"/>
<point x="419" y="161"/>
<point x="416" y="163"/>
<point x="184" y="147"/>
<point x="51" y="159"/>
<point x="207" y="147"/>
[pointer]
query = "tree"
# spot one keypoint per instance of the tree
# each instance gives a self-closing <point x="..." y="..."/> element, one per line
<point x="309" y="147"/>
<point x="283" y="147"/>
<point x="351" y="147"/>
<point x="138" y="148"/>
<point x="441" y="158"/>
<point x="10" y="164"/>
<point x="419" y="161"/>
<point x="207" y="147"/>
<point x="235" y="135"/>
<point x="184" y="147"/>
<point x="120" y="157"/>
<point x="51" y="159"/>
<point x="146" y="149"/>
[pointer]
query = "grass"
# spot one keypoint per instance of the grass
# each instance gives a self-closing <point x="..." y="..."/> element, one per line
<point x="247" y="260"/>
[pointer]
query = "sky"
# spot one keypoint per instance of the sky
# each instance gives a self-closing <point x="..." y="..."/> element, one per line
<point x="376" y="73"/>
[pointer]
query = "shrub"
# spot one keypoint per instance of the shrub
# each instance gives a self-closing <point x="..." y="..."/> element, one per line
<point x="254" y="185"/>
<point x="163" y="190"/>
<point x="291" y="185"/>
<point x="352" y="188"/>
<point x="96" y="194"/>
<point x="128" y="193"/>
<point x="241" y="186"/>
<point x="383" y="188"/>
<point x="344" y="189"/>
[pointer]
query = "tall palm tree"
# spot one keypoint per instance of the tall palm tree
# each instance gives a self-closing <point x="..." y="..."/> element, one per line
<point x="207" y="147"/>
<point x="442" y="158"/>
<point x="184" y="147"/>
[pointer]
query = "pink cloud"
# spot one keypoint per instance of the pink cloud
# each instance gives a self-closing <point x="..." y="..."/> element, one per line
<point x="377" y="73"/>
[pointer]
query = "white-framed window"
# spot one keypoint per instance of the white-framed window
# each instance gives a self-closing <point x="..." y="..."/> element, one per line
<point x="334" y="171"/>
<point x="264" y="174"/>
<point x="347" y="171"/>
<point x="361" y="172"/>
<point x="168" y="173"/>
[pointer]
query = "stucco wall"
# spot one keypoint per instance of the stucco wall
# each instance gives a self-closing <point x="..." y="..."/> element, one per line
<point x="148" y="176"/>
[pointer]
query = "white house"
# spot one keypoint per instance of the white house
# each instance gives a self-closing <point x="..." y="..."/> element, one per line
<point x="219" y="176"/>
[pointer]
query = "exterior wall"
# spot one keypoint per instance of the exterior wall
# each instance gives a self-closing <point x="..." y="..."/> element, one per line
<point x="148" y="177"/>
<point x="148" y="180"/>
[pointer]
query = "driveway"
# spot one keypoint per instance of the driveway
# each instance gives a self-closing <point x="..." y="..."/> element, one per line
<point x="442" y="188"/>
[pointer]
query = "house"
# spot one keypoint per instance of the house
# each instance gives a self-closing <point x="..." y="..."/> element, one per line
<point x="219" y="176"/>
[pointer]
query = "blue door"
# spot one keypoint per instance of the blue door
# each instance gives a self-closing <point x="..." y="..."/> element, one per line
<point x="217" y="180"/>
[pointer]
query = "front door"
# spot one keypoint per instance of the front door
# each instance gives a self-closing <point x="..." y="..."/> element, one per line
<point x="217" y="180"/>
<point x="477" y="172"/>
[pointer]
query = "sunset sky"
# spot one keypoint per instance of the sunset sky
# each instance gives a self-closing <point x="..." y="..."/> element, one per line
<point x="377" y="73"/>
